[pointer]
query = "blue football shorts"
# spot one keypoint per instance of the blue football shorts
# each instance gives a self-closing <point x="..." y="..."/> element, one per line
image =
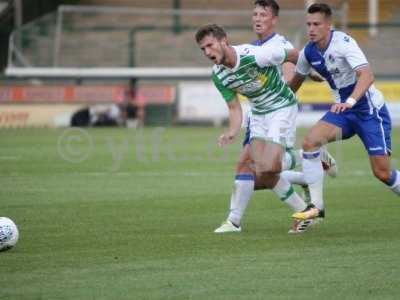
<point x="373" y="129"/>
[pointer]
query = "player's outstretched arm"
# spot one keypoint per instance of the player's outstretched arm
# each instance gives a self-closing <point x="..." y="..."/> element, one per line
<point x="314" y="76"/>
<point x="235" y="123"/>
<point x="288" y="71"/>
<point x="292" y="56"/>
<point x="296" y="82"/>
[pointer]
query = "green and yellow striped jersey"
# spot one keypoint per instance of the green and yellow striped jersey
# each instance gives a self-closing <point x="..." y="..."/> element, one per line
<point x="256" y="76"/>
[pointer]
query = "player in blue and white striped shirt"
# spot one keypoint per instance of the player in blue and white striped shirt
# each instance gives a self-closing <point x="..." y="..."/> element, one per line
<point x="359" y="110"/>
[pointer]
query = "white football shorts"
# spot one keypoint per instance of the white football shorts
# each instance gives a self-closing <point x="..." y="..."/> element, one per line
<point x="277" y="127"/>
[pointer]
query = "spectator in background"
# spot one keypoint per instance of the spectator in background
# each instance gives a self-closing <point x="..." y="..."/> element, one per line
<point x="123" y="114"/>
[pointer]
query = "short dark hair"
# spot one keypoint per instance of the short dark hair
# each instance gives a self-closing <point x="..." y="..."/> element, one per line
<point x="320" y="8"/>
<point x="210" y="29"/>
<point x="272" y="4"/>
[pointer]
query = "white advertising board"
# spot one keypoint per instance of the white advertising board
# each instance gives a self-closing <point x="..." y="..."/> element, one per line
<point x="201" y="101"/>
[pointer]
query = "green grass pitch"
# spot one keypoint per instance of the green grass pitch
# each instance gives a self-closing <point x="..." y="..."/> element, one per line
<point x="125" y="214"/>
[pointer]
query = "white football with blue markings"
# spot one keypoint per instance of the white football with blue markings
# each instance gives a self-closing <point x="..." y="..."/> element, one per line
<point x="8" y="234"/>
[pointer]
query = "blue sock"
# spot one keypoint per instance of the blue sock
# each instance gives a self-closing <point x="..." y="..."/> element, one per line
<point x="394" y="182"/>
<point x="392" y="179"/>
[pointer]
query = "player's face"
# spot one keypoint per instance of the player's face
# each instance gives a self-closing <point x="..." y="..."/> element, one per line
<point x="213" y="48"/>
<point x="318" y="28"/>
<point x="263" y="20"/>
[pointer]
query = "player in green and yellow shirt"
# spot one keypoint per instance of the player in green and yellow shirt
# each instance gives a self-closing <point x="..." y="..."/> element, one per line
<point x="253" y="72"/>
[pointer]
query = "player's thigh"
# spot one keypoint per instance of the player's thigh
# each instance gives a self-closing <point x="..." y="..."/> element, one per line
<point x="267" y="156"/>
<point x="321" y="134"/>
<point x="244" y="164"/>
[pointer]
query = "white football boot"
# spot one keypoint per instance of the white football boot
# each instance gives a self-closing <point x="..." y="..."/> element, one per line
<point x="228" y="226"/>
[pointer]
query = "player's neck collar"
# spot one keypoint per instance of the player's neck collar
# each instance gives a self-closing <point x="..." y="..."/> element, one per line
<point x="329" y="42"/>
<point x="264" y="40"/>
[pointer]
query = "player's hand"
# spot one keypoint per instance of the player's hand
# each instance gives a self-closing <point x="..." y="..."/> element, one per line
<point x="226" y="139"/>
<point x="340" y="107"/>
<point x="314" y="76"/>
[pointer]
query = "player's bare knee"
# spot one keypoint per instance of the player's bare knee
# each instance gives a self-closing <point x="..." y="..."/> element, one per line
<point x="244" y="167"/>
<point x="245" y="163"/>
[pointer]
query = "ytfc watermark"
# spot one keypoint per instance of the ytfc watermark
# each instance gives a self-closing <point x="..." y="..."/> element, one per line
<point x="76" y="145"/>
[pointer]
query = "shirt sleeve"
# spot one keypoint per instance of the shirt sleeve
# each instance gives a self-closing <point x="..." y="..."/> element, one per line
<point x="352" y="52"/>
<point x="270" y="55"/>
<point x="302" y="66"/>
<point x="286" y="44"/>
<point x="226" y="93"/>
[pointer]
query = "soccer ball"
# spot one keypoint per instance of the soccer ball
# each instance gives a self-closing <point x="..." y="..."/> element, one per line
<point x="8" y="234"/>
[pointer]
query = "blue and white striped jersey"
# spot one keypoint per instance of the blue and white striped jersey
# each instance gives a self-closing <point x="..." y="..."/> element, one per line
<point x="338" y="64"/>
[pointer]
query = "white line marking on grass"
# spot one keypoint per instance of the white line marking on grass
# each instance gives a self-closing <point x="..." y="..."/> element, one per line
<point x="13" y="158"/>
<point x="359" y="173"/>
<point x="158" y="174"/>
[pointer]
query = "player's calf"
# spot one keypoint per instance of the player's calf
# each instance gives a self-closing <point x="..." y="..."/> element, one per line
<point x="382" y="174"/>
<point x="381" y="169"/>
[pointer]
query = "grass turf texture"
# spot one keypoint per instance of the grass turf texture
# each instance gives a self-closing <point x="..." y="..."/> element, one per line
<point x="130" y="215"/>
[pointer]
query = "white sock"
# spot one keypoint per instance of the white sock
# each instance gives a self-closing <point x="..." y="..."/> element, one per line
<point x="242" y="191"/>
<point x="284" y="190"/>
<point x="394" y="182"/>
<point x="291" y="159"/>
<point x="314" y="177"/>
<point x="294" y="177"/>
